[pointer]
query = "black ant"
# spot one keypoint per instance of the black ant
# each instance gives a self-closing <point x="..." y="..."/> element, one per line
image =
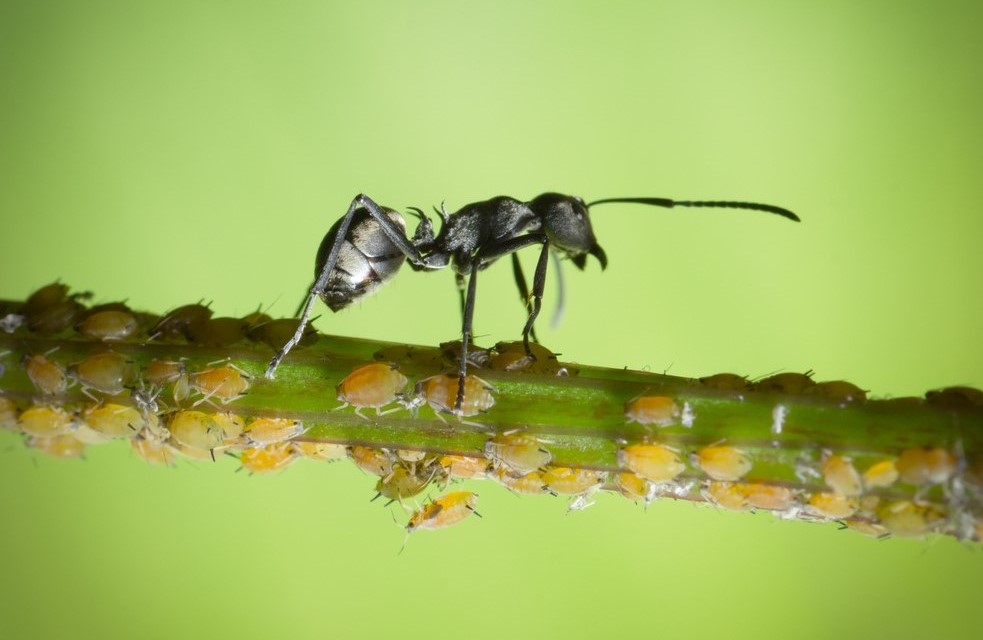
<point x="365" y="248"/>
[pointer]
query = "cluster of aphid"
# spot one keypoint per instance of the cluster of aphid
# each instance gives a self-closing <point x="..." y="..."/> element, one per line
<point x="168" y="409"/>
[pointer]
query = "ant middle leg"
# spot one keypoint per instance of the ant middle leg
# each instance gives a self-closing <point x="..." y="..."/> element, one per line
<point x="538" y="285"/>
<point x="520" y="282"/>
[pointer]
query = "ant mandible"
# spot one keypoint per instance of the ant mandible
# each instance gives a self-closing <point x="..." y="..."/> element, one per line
<point x="367" y="246"/>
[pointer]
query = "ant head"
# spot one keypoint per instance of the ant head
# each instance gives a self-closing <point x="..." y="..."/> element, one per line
<point x="567" y="226"/>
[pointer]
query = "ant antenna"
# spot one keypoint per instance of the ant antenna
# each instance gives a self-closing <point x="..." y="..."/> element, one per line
<point x="722" y="204"/>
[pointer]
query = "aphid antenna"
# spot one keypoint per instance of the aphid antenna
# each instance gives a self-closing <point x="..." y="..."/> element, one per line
<point x="710" y="204"/>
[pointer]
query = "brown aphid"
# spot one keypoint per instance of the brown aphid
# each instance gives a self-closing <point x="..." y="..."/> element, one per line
<point x="923" y="465"/>
<point x="197" y="430"/>
<point x="266" y="431"/>
<point x="653" y="461"/>
<point x="766" y="496"/>
<point x="152" y="451"/>
<point x="225" y="384"/>
<point x="114" y="420"/>
<point x="42" y="421"/>
<point x="464" y="466"/>
<point x="62" y="447"/>
<point x="275" y="333"/>
<point x="725" y="382"/>
<point x="216" y="332"/>
<point x="531" y="483"/>
<point x="790" y="384"/>
<point x="722" y="462"/>
<point x="47" y="296"/>
<point x="8" y="413"/>
<point x="837" y="390"/>
<point x="371" y="386"/>
<point x="841" y="476"/>
<point x="55" y="318"/>
<point x="378" y="462"/>
<point x="426" y="357"/>
<point x="451" y="352"/>
<point x="834" y="506"/>
<point x="440" y="392"/>
<point x="955" y="397"/>
<point x="267" y="459"/>
<point x="174" y="324"/>
<point x="253" y="320"/>
<point x="661" y="411"/>
<point x="567" y="481"/>
<point x="404" y="482"/>
<point x="880" y="474"/>
<point x="320" y="450"/>
<point x="443" y="512"/>
<point x="109" y="372"/>
<point x="635" y="487"/>
<point x="163" y="372"/>
<point x="728" y="495"/>
<point x="518" y="452"/>
<point x="108" y="325"/>
<point x="511" y="356"/>
<point x="47" y="375"/>
<point x="909" y="520"/>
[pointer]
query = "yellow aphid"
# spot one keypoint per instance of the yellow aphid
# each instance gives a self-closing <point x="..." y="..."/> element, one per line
<point x="47" y="375"/>
<point x="766" y="496"/>
<point x="531" y="483"/>
<point x="834" y="506"/>
<point x="443" y="512"/>
<point x="880" y="474"/>
<point x="162" y="372"/>
<point x="838" y="390"/>
<point x="727" y="495"/>
<point x="785" y="383"/>
<point x="725" y="382"/>
<point x="225" y="384"/>
<point x="403" y="482"/>
<point x="378" y="462"/>
<point x="440" y="392"/>
<point x="320" y="450"/>
<point x="112" y="324"/>
<point x="152" y="451"/>
<point x="410" y="455"/>
<point x="925" y="466"/>
<point x="8" y="413"/>
<point x="204" y="455"/>
<point x="661" y="411"/>
<point x="196" y="430"/>
<point x="722" y="462"/>
<point x="266" y="459"/>
<point x="265" y="431"/>
<point x="114" y="420"/>
<point x="108" y="372"/>
<point x="567" y="481"/>
<point x="371" y="386"/>
<point x="520" y="453"/>
<point x="63" y="446"/>
<point x="871" y="529"/>
<point x="232" y="425"/>
<point x="652" y="461"/>
<point x="464" y="466"/>
<point x="841" y="476"/>
<point x="907" y="519"/>
<point x="44" y="422"/>
<point x="635" y="487"/>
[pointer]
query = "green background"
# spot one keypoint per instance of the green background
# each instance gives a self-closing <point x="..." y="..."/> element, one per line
<point x="189" y="150"/>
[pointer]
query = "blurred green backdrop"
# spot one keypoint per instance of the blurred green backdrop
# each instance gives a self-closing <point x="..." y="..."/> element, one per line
<point x="168" y="152"/>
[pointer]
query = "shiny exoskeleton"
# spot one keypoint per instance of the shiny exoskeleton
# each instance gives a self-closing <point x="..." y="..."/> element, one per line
<point x="368" y="245"/>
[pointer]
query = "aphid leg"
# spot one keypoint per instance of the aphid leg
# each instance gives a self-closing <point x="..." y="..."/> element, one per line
<point x="520" y="282"/>
<point x="393" y="232"/>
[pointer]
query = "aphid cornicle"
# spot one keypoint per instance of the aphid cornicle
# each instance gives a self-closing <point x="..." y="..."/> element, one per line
<point x="367" y="246"/>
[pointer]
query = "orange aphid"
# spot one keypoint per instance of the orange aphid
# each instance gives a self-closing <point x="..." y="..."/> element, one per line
<point x="47" y="375"/>
<point x="378" y="462"/>
<point x="320" y="450"/>
<point x="834" y="506"/>
<point x="841" y="476"/>
<point x="925" y="466"/>
<point x="196" y="430"/>
<point x="518" y="452"/>
<point x="108" y="372"/>
<point x="635" y="487"/>
<point x="225" y="384"/>
<point x="162" y="372"/>
<point x="371" y="386"/>
<point x="63" y="446"/>
<point x="661" y="411"/>
<point x="152" y="451"/>
<point x="112" y="324"/>
<point x="531" y="483"/>
<point x="440" y="392"/>
<point x="443" y="512"/>
<point x="114" y="420"/>
<point x="722" y="462"/>
<point x="266" y="431"/>
<point x="727" y="495"/>
<point x="652" y="461"/>
<point x="568" y="481"/>
<point x="511" y="356"/>
<point x="880" y="474"/>
<point x="766" y="496"/>
<point x="44" y="422"/>
<point x="267" y="459"/>
<point x="464" y="466"/>
<point x="908" y="519"/>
